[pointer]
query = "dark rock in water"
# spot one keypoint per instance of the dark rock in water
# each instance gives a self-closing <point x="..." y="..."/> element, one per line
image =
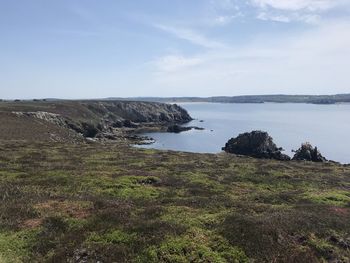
<point x="197" y="128"/>
<point x="308" y="153"/>
<point x="256" y="144"/>
<point x="177" y="128"/>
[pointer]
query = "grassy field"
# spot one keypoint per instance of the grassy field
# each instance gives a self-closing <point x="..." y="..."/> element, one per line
<point x="113" y="203"/>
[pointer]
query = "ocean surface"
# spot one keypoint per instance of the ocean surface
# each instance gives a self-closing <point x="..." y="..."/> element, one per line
<point x="324" y="126"/>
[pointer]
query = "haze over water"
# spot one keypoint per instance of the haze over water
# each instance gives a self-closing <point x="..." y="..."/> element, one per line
<point x="324" y="126"/>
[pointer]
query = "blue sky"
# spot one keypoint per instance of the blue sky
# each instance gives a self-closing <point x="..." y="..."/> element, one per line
<point x="120" y="48"/>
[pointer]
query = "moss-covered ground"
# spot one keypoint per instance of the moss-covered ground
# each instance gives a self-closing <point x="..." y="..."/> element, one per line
<point x="115" y="203"/>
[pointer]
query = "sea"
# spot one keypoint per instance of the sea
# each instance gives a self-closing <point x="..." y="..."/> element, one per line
<point x="289" y="124"/>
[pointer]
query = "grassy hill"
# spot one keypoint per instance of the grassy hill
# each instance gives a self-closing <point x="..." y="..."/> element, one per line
<point x="113" y="203"/>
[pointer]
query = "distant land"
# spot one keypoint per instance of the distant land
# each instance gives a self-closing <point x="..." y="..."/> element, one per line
<point x="276" y="98"/>
<point x="313" y="99"/>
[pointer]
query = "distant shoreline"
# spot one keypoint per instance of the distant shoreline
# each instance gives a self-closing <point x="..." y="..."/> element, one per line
<point x="256" y="99"/>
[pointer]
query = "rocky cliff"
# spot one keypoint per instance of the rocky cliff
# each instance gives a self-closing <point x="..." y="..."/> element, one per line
<point x="99" y="118"/>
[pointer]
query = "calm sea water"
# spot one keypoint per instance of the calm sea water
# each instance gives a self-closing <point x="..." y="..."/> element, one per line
<point x="325" y="126"/>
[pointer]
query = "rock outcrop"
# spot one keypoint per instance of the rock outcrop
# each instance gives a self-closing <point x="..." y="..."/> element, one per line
<point x="308" y="153"/>
<point x="256" y="144"/>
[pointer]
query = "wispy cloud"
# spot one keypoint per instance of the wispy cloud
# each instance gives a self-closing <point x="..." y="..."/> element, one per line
<point x="288" y="18"/>
<point x="307" y="11"/>
<point x="295" y="5"/>
<point x="223" y="20"/>
<point x="191" y="36"/>
<point x="313" y="61"/>
<point x="172" y="63"/>
<point x="225" y="12"/>
<point x="278" y="18"/>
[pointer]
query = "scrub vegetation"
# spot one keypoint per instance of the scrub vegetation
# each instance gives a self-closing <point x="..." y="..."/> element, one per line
<point x="110" y="202"/>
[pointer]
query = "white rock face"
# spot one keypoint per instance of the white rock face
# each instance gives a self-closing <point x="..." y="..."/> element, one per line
<point x="43" y="115"/>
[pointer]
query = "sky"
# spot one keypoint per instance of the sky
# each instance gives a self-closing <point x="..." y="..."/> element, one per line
<point x="123" y="48"/>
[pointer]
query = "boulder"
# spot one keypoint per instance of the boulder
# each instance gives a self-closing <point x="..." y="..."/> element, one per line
<point x="256" y="144"/>
<point x="308" y="153"/>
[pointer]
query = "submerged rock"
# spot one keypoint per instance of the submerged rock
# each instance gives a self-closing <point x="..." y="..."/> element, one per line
<point x="308" y="153"/>
<point x="177" y="128"/>
<point x="256" y="144"/>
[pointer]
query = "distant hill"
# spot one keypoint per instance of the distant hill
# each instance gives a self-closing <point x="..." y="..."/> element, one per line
<point x="313" y="99"/>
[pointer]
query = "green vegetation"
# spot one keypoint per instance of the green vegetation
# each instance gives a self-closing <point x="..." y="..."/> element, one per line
<point x="15" y="246"/>
<point x="114" y="203"/>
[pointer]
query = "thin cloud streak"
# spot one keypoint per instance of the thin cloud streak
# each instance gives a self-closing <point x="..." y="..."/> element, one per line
<point x="191" y="36"/>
